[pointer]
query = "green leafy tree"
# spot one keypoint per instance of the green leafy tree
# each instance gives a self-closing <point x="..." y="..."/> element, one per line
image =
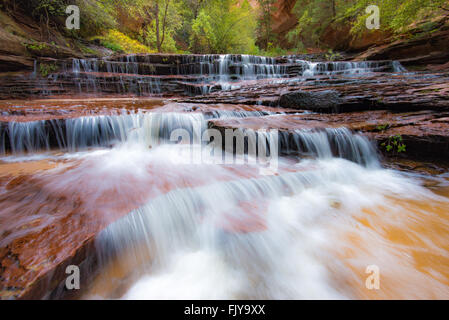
<point x="395" y="15"/>
<point x="224" y="26"/>
<point x="189" y="12"/>
<point x="313" y="17"/>
<point x="162" y="20"/>
<point x="265" y="21"/>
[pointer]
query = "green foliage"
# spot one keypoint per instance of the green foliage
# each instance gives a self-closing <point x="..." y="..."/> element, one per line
<point x="119" y="42"/>
<point x="48" y="7"/>
<point x="264" y="27"/>
<point x="224" y="26"/>
<point x="382" y="127"/>
<point x="87" y="50"/>
<point x="395" y="15"/>
<point x="294" y="37"/>
<point x="36" y="46"/>
<point x="164" y="21"/>
<point x="45" y="69"/>
<point x="112" y="46"/>
<point x="219" y="26"/>
<point x="96" y="16"/>
<point x="313" y="17"/>
<point x="273" y="51"/>
<point x="394" y="144"/>
<point x="332" y="56"/>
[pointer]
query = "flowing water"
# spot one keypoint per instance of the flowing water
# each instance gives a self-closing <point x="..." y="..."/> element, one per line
<point x="145" y="75"/>
<point x="174" y="228"/>
<point x="211" y="231"/>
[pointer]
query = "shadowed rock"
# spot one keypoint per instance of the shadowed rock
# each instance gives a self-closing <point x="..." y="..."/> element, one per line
<point x="327" y="100"/>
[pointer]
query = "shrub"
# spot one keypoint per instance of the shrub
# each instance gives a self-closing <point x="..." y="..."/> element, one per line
<point x="119" y="42"/>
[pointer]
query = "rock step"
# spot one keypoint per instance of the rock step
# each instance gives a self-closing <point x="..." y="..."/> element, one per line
<point x="158" y="74"/>
<point x="191" y="58"/>
<point x="233" y="67"/>
<point x="425" y="133"/>
<point x="381" y="91"/>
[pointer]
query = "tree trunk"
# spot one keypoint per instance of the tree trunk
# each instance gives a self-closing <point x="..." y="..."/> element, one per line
<point x="164" y="22"/>
<point x="158" y="41"/>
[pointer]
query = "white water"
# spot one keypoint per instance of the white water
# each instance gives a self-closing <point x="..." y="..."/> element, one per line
<point x="143" y="75"/>
<point x="262" y="236"/>
<point x="211" y="231"/>
<point x="311" y="69"/>
<point x="266" y="237"/>
<point x="75" y="134"/>
<point x="195" y="258"/>
<point x="220" y="70"/>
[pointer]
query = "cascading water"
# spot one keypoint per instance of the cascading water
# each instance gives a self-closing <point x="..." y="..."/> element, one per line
<point x="258" y="235"/>
<point x="147" y="75"/>
<point x="151" y="128"/>
<point x="329" y="143"/>
<point x="93" y="131"/>
<point x="311" y="69"/>
<point x="229" y="231"/>
<point x="176" y="228"/>
<point x="125" y="77"/>
<point x="222" y="70"/>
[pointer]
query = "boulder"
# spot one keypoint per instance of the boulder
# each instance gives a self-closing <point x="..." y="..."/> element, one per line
<point x="327" y="100"/>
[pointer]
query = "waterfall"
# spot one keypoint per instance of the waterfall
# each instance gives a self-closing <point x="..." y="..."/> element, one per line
<point x="165" y="227"/>
<point x="93" y="131"/>
<point x="150" y="129"/>
<point x="333" y="142"/>
<point x="147" y="75"/>
<point x="207" y="237"/>
<point x="124" y="76"/>
<point x="223" y="70"/>
<point x="311" y="69"/>
<point x="73" y="134"/>
<point x="174" y="75"/>
<point x="170" y="220"/>
<point x="398" y="67"/>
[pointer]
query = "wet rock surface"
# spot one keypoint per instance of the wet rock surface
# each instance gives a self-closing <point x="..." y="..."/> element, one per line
<point x="396" y="92"/>
<point x="379" y="100"/>
<point x="425" y="133"/>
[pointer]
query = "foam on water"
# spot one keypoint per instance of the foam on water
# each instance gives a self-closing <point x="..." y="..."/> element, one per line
<point x="151" y="129"/>
<point x="200" y="251"/>
<point x="210" y="231"/>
